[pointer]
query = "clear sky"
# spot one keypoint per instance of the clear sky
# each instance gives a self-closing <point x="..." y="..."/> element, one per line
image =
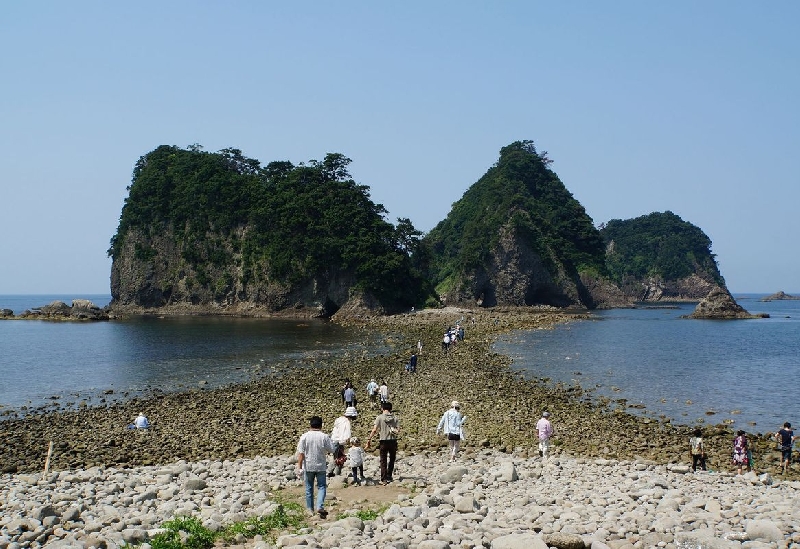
<point x="687" y="106"/>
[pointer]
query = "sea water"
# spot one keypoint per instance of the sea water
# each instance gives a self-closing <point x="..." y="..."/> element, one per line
<point x="692" y="371"/>
<point x="651" y="361"/>
<point x="58" y="364"/>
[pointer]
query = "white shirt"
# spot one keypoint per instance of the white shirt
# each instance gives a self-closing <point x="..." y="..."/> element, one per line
<point x="342" y="430"/>
<point x="314" y="445"/>
<point x="141" y="422"/>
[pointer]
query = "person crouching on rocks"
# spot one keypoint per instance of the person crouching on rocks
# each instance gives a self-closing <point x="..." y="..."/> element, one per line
<point x="451" y="425"/>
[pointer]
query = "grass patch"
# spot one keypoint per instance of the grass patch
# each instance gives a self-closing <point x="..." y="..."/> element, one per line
<point x="365" y="514"/>
<point x="189" y="532"/>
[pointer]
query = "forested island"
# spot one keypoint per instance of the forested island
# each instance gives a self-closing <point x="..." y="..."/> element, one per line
<point x="217" y="232"/>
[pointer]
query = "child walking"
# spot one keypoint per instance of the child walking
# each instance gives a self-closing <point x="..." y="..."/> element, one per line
<point x="356" y="456"/>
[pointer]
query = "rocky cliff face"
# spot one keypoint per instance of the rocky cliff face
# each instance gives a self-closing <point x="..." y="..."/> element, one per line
<point x="517" y="275"/>
<point x="152" y="274"/>
<point x="653" y="289"/>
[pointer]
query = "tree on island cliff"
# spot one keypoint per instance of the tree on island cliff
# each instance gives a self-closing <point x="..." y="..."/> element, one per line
<point x="218" y="228"/>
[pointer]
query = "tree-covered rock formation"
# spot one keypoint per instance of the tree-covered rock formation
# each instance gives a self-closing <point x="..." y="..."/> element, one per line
<point x="518" y="237"/>
<point x="660" y="257"/>
<point x="217" y="232"/>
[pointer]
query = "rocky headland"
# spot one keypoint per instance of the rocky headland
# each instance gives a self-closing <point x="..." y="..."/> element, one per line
<point x="615" y="478"/>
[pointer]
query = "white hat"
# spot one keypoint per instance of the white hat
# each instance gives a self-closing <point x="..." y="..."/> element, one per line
<point x="454" y="404"/>
<point x="350" y="412"/>
<point x="545" y="414"/>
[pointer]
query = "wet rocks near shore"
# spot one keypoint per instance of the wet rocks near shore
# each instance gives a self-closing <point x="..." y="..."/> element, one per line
<point x="81" y="309"/>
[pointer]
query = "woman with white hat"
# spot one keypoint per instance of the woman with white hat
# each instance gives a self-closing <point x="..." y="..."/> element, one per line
<point x="451" y="425"/>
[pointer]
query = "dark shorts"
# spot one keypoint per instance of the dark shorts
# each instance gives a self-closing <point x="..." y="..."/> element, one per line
<point x="786" y="455"/>
<point x="453" y="436"/>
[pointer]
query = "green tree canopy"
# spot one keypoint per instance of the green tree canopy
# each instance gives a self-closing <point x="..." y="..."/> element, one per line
<point x="658" y="244"/>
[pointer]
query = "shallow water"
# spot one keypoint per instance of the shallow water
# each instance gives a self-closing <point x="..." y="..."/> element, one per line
<point x="59" y="363"/>
<point x="693" y="371"/>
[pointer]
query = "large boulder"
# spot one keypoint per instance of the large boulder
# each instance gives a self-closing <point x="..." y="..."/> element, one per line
<point x="719" y="304"/>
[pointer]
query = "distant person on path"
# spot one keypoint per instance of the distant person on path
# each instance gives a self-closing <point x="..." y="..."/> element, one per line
<point x="544" y="429"/>
<point x="446" y="342"/>
<point x="141" y="422"/>
<point x="383" y="392"/>
<point x="344" y="388"/>
<point x="740" y="453"/>
<point x="419" y="346"/>
<point x="785" y="438"/>
<point x="311" y="451"/>
<point x="349" y="395"/>
<point x="340" y="435"/>
<point x="451" y="425"/>
<point x="356" y="456"/>
<point x="697" y="450"/>
<point x="372" y="391"/>
<point x="387" y="427"/>
<point x="412" y="363"/>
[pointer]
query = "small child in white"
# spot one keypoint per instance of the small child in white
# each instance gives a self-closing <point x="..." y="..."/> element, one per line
<point x="356" y="456"/>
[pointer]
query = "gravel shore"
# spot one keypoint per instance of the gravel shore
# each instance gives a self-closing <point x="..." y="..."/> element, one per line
<point x="255" y="426"/>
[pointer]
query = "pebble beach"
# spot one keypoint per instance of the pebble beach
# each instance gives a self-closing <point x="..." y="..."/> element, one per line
<point x="613" y="480"/>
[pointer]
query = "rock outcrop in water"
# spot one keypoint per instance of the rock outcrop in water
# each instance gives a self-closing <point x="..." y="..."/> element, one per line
<point x="81" y="309"/>
<point x="781" y="296"/>
<point x="720" y="305"/>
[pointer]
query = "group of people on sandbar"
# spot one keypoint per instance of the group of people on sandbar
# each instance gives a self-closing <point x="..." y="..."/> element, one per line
<point x="314" y="445"/>
<point x="742" y="455"/>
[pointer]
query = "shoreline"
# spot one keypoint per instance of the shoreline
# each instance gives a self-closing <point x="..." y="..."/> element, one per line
<point x="266" y="415"/>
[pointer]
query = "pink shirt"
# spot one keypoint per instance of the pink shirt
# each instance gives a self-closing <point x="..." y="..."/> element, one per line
<point x="544" y="428"/>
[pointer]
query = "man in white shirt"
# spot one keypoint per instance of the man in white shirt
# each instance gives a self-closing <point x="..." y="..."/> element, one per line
<point x="311" y="451"/>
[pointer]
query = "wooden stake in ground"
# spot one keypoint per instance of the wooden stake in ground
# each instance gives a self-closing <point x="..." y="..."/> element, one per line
<point x="47" y="461"/>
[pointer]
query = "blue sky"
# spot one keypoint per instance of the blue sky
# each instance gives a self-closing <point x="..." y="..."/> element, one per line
<point x="643" y="106"/>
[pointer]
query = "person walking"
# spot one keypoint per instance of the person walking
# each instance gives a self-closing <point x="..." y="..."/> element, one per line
<point x="349" y="395"/>
<point x="785" y="438"/>
<point x="312" y="449"/>
<point x="544" y="430"/>
<point x="383" y="392"/>
<point x="356" y="456"/>
<point x="740" y="453"/>
<point x="340" y="435"/>
<point x="387" y="427"/>
<point x="451" y="425"/>
<point x="412" y="363"/>
<point x="697" y="450"/>
<point x="372" y="391"/>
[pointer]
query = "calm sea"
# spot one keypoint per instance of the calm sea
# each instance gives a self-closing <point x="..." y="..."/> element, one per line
<point x="47" y="363"/>
<point x="692" y="371"/>
<point x="689" y="370"/>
